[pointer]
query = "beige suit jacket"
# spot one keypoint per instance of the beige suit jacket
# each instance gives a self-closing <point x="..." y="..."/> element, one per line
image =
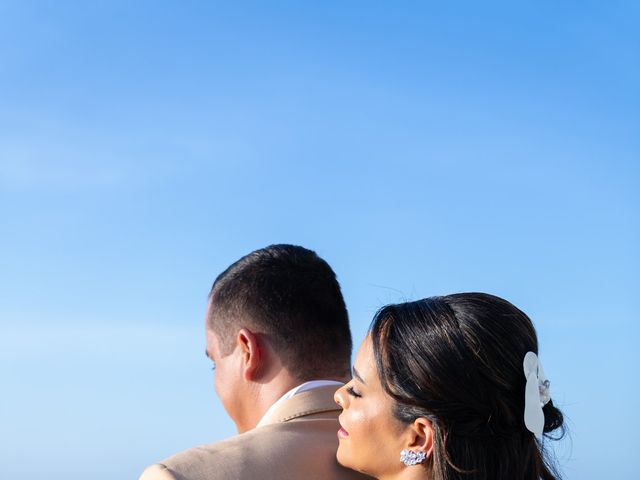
<point x="297" y="441"/>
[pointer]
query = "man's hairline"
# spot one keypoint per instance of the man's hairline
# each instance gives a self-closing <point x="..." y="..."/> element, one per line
<point x="222" y="342"/>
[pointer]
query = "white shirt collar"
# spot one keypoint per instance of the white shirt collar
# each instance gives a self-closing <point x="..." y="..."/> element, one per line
<point x="294" y="391"/>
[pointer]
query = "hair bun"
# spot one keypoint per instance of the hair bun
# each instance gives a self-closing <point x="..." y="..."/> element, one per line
<point x="553" y="419"/>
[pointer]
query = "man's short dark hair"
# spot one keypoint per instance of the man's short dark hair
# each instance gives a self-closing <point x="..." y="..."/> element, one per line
<point x="292" y="296"/>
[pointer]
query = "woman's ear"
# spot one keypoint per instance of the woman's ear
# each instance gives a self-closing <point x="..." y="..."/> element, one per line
<point x="421" y="436"/>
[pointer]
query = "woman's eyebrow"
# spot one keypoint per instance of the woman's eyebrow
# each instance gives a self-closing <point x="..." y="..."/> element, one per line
<point x="357" y="376"/>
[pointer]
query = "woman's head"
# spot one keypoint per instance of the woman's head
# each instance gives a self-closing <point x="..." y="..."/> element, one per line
<point x="444" y="376"/>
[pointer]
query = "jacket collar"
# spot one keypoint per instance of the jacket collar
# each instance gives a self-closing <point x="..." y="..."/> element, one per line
<point x="312" y="401"/>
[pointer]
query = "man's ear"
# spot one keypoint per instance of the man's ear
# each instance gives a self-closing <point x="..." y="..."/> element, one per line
<point x="251" y="351"/>
<point x="421" y="436"/>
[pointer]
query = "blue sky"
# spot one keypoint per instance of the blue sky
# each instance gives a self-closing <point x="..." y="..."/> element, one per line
<point x="421" y="148"/>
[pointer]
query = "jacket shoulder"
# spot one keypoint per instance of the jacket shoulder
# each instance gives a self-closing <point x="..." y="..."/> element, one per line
<point x="157" y="472"/>
<point x="304" y="448"/>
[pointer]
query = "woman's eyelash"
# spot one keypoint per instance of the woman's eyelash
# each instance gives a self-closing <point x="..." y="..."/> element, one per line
<point x="352" y="392"/>
<point x="214" y="365"/>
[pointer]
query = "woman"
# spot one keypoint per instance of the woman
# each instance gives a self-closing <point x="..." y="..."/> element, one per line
<point x="448" y="388"/>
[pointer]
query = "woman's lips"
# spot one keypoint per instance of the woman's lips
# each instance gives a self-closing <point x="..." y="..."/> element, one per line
<point x="342" y="433"/>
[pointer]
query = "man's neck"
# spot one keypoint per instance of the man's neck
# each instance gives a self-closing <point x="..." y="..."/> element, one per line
<point x="262" y="397"/>
<point x="270" y="414"/>
<point x="265" y="397"/>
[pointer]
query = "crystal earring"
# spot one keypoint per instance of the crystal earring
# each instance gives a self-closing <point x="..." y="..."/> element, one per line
<point x="409" y="457"/>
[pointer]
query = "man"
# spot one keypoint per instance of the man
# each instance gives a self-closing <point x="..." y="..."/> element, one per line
<point x="278" y="334"/>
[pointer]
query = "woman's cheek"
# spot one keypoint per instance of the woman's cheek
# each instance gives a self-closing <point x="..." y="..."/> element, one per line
<point x="360" y="420"/>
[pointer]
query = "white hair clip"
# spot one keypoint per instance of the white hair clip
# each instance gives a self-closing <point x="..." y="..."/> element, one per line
<point x="536" y="395"/>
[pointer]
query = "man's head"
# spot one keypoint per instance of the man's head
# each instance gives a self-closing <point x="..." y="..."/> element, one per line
<point x="278" y="310"/>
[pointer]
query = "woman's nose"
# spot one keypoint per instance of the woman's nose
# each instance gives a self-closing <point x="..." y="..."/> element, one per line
<point x="340" y="398"/>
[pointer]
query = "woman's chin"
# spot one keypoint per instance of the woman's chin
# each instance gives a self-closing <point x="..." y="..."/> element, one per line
<point x="342" y="457"/>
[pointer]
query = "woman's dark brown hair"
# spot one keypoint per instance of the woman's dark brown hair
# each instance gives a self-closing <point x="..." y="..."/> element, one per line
<point x="457" y="360"/>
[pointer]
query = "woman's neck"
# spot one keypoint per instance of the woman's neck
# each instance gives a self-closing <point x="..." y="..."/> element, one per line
<point x="416" y="472"/>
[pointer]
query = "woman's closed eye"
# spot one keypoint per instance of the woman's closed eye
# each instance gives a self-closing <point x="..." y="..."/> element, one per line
<point x="351" y="391"/>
